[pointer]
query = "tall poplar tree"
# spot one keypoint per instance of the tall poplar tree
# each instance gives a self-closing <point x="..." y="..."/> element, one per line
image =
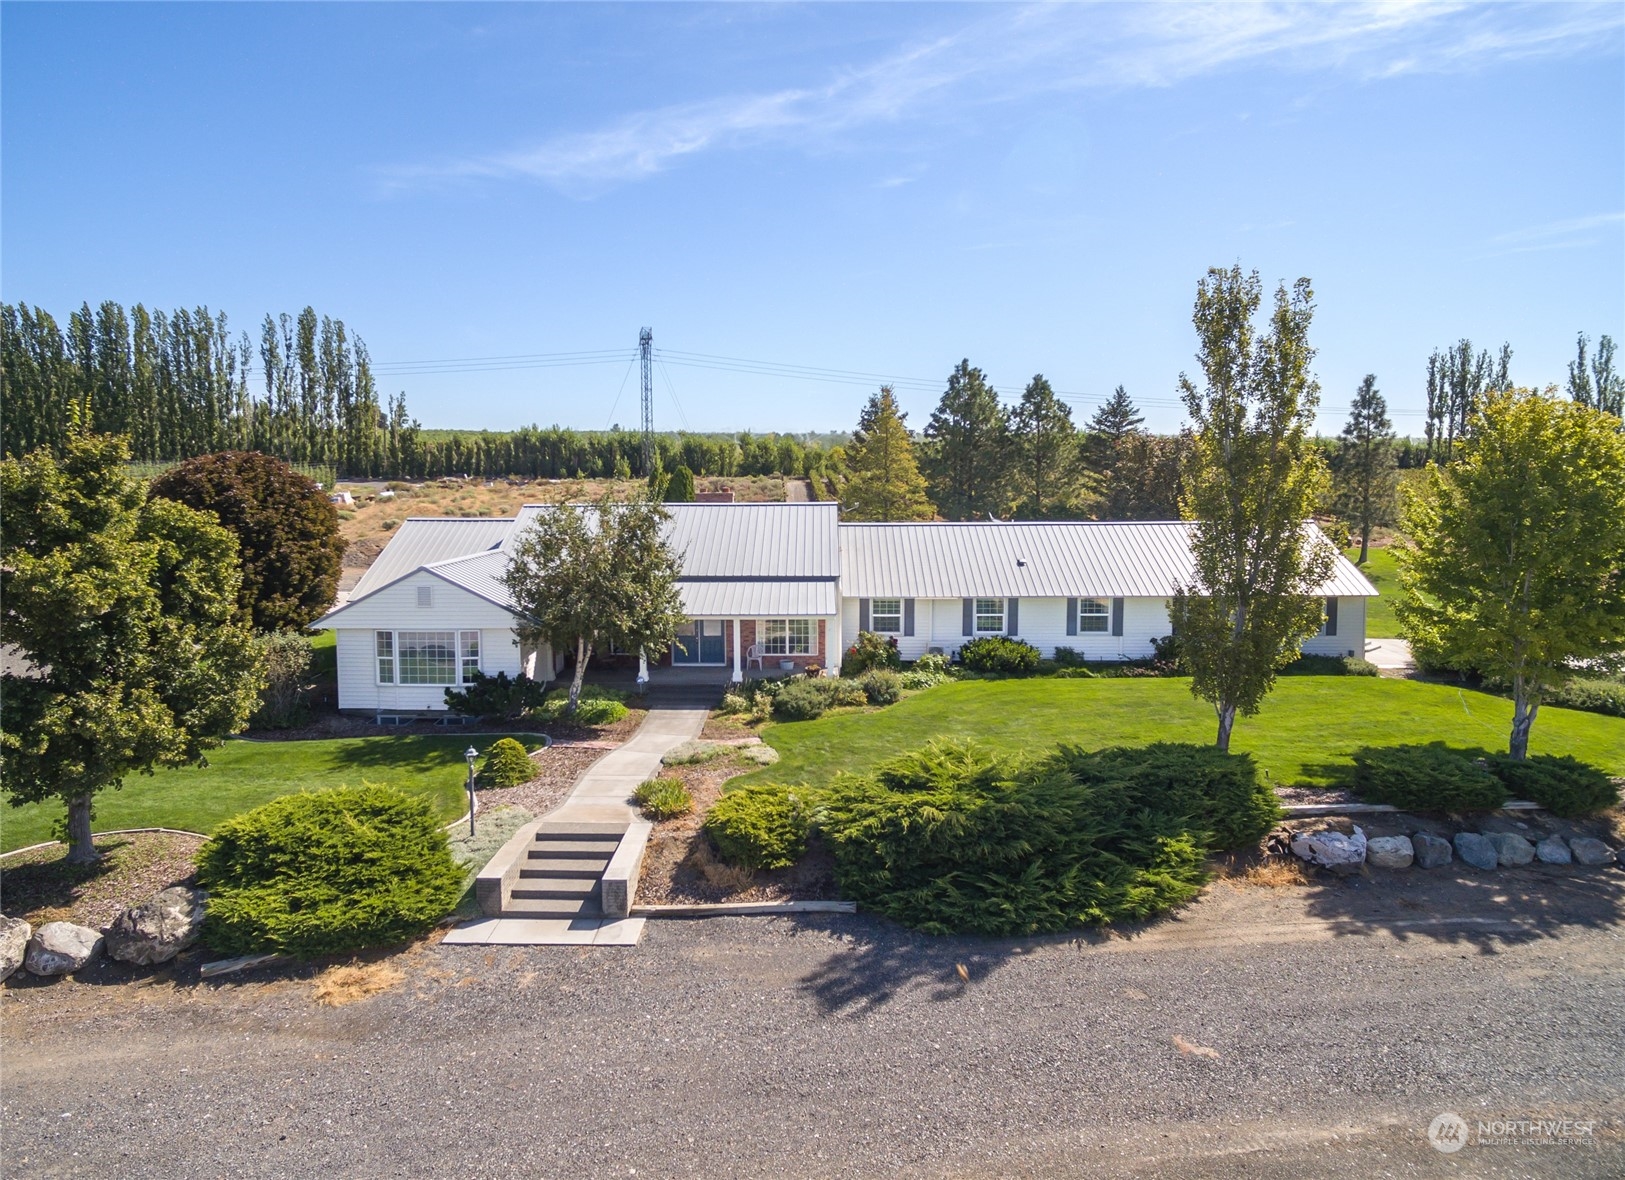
<point x="885" y="481"/>
<point x="968" y="456"/>
<point x="1048" y="480"/>
<point x="1365" y="479"/>
<point x="1250" y="485"/>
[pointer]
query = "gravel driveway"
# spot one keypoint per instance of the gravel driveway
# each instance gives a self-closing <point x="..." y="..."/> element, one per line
<point x="1324" y="1028"/>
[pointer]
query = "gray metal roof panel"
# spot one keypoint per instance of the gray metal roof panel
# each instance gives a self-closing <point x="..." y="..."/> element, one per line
<point x="758" y="599"/>
<point x="425" y="540"/>
<point x="1118" y="559"/>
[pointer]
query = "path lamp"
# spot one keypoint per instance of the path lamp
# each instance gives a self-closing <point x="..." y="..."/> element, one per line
<point x="471" y="754"/>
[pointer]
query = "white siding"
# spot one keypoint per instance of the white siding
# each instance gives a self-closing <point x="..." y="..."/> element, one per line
<point x="395" y="608"/>
<point x="1350" y="637"/>
<point x="939" y="622"/>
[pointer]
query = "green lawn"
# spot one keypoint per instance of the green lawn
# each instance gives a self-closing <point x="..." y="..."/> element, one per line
<point x="1379" y="567"/>
<point x="241" y="775"/>
<point x="1304" y="733"/>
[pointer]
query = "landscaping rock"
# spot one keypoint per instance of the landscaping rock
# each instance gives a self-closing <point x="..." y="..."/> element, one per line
<point x="158" y="930"/>
<point x="14" y="936"/>
<point x="1390" y="852"/>
<point x="1476" y="850"/>
<point x="1432" y="852"/>
<point x="1552" y="851"/>
<point x="1590" y="851"/>
<point x="60" y="947"/>
<point x="1333" y="850"/>
<point x="1511" y="849"/>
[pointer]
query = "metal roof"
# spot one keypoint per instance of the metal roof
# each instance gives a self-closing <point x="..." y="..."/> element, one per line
<point x="758" y="599"/>
<point x="1052" y="559"/>
<point x="425" y="540"/>
<point x="480" y="574"/>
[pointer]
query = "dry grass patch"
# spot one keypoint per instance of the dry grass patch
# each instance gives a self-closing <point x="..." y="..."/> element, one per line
<point x="348" y="984"/>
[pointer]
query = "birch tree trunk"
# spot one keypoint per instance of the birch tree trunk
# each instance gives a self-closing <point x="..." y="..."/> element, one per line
<point x="1523" y="718"/>
<point x="583" y="651"/>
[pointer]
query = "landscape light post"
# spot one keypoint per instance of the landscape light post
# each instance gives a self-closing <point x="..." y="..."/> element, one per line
<point x="471" y="754"/>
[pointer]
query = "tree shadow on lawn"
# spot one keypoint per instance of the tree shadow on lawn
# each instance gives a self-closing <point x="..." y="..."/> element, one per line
<point x="1458" y="905"/>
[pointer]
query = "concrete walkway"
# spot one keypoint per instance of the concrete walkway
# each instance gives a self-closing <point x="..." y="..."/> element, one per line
<point x="1391" y="655"/>
<point x="603" y="794"/>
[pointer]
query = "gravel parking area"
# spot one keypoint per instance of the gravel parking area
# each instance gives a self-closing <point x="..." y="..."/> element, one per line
<point x="1311" y="1031"/>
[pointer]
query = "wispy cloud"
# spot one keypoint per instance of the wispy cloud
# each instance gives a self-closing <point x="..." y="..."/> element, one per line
<point x="1019" y="52"/>
<point x="1557" y="230"/>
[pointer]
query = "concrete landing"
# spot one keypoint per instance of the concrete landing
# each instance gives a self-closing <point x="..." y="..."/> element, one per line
<point x="548" y="932"/>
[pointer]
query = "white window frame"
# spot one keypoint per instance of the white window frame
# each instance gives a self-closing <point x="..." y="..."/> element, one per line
<point x="893" y="614"/>
<point x="1098" y="616"/>
<point x="387" y="650"/>
<point x="786" y="637"/>
<point x="989" y="609"/>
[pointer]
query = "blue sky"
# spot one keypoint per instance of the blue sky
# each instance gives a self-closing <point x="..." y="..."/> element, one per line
<point x="871" y="189"/>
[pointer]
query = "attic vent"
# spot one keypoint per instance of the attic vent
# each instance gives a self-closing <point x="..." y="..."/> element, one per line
<point x="425" y="595"/>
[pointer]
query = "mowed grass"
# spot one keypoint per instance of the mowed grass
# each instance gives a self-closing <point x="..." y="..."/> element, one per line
<point x="1379" y="567"/>
<point x="1304" y="734"/>
<point x="242" y="775"/>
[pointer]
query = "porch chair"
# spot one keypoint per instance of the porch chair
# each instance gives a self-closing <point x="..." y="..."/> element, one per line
<point x="753" y="652"/>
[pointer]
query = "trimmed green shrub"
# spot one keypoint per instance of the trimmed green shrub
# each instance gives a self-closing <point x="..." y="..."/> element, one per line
<point x="915" y="679"/>
<point x="1310" y="665"/>
<point x="733" y="704"/>
<point x="1563" y="786"/>
<point x="506" y="765"/>
<point x="692" y="753"/>
<point x="881" y="686"/>
<point x="872" y="650"/>
<point x="1433" y="777"/>
<point x="498" y="698"/>
<point x="1069" y="657"/>
<point x="998" y="653"/>
<point x="1592" y="696"/>
<point x="760" y="827"/>
<point x="952" y="838"/>
<point x="597" y="706"/>
<point x="842" y="693"/>
<point x="327" y="872"/>
<point x="932" y="661"/>
<point x="663" y="798"/>
<point x="800" y="701"/>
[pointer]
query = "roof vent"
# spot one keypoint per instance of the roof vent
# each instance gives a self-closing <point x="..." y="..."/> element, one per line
<point x="425" y="595"/>
<point x="1020" y="562"/>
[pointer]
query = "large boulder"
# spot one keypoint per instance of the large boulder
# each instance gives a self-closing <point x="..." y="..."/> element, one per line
<point x="1590" y="851"/>
<point x="1476" y="850"/>
<point x="159" y="929"/>
<point x="1552" y="851"/>
<point x="1390" y="852"/>
<point x="1511" y="849"/>
<point x="60" y="947"/>
<point x="14" y="936"/>
<point x="1332" y="850"/>
<point x="1432" y="852"/>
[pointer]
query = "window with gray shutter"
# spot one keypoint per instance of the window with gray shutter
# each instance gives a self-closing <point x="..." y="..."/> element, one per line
<point x="1117" y="616"/>
<point x="1071" y="616"/>
<point x="908" y="616"/>
<point x="1013" y="616"/>
<point x="1331" y="617"/>
<point x="863" y="614"/>
<point x="969" y="605"/>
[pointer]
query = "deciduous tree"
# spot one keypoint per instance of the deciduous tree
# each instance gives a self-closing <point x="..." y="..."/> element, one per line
<point x="587" y="574"/>
<point x="286" y="528"/>
<point x="1365" y="480"/>
<point x="1597" y="384"/>
<point x="1517" y="561"/>
<point x="126" y="609"/>
<point x="885" y="481"/>
<point x="1250" y="485"/>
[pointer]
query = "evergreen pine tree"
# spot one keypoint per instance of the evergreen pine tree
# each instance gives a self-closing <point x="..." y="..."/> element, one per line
<point x="968" y="459"/>
<point x="1047" y="477"/>
<point x="1365" y="479"/>
<point x="885" y="482"/>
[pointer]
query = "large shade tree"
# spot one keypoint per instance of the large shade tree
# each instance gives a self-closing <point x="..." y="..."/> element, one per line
<point x="286" y="528"/>
<point x="125" y="609"/>
<point x="1517" y="558"/>
<point x="885" y="481"/>
<point x="1251" y="483"/>
<point x="588" y="574"/>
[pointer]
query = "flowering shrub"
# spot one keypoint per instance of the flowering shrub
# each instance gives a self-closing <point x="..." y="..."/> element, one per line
<point x="872" y="650"/>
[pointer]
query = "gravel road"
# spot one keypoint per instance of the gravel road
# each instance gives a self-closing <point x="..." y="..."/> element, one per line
<point x="1324" y="1028"/>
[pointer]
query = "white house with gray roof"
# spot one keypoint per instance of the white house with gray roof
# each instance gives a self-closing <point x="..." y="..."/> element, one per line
<point x="782" y="586"/>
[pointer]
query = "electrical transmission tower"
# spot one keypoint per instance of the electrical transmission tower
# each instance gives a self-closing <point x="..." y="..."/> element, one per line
<point x="646" y="338"/>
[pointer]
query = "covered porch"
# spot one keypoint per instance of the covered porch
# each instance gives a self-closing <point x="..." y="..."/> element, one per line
<point x="730" y="648"/>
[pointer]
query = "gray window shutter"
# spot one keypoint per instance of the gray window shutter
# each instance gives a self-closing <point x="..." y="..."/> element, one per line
<point x="1331" y="616"/>
<point x="1117" y="616"/>
<point x="1071" y="616"/>
<point x="970" y="615"/>
<point x="863" y="614"/>
<point x="1012" y="617"/>
<point x="908" y="616"/>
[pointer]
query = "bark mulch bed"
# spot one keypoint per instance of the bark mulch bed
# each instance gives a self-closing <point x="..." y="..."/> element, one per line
<point x="558" y="768"/>
<point x="682" y="866"/>
<point x="719" y="728"/>
<point x="41" y="886"/>
<point x="1321" y="796"/>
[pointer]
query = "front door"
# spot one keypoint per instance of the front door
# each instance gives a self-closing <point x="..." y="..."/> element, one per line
<point x="699" y="642"/>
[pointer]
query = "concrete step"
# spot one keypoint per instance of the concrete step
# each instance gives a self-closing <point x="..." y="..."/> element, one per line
<point x="572" y="849"/>
<point x="563" y="829"/>
<point x="520" y="907"/>
<point x="563" y="887"/>
<point x="565" y="867"/>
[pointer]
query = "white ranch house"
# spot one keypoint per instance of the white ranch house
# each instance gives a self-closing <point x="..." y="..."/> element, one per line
<point x="767" y="586"/>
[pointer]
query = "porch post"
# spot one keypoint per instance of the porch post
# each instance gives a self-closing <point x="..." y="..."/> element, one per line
<point x="832" y="645"/>
<point x="738" y="674"/>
